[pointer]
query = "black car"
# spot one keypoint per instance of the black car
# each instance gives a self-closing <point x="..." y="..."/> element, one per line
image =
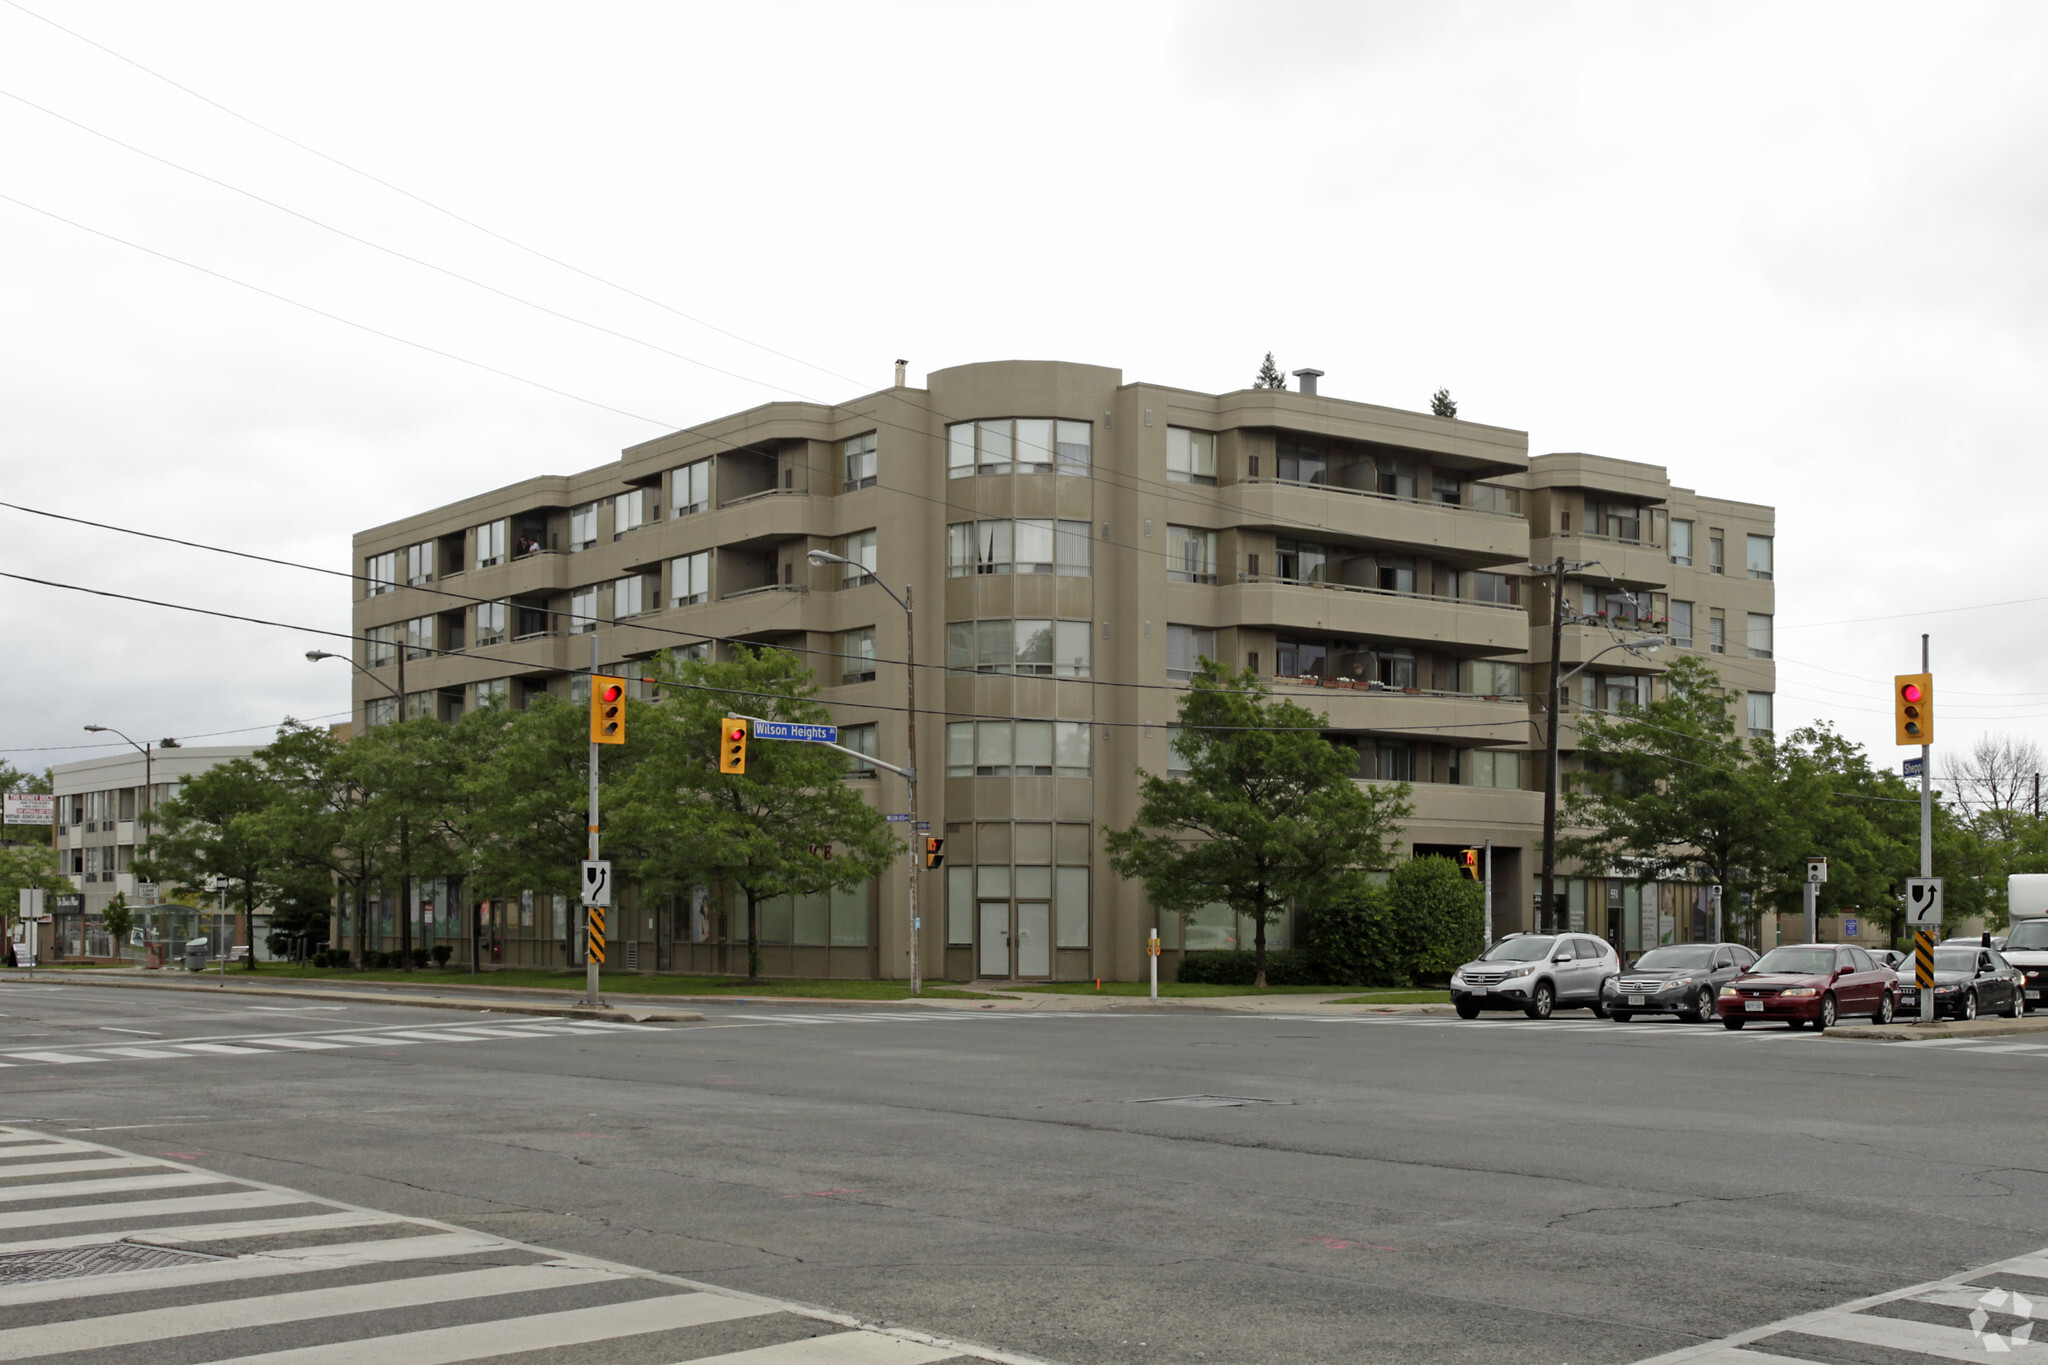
<point x="1968" y="981"/>
<point x="1681" y="979"/>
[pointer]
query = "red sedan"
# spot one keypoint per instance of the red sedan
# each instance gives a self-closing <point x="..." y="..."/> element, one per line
<point x="1813" y="983"/>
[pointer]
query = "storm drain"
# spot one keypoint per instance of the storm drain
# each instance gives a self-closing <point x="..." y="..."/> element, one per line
<point x="1209" y="1101"/>
<point x="27" y="1267"/>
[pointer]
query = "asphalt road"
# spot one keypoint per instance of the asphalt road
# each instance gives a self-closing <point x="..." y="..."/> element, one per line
<point x="1415" y="1191"/>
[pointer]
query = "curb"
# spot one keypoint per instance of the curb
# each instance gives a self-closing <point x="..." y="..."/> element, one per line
<point x="621" y="1014"/>
<point x="1948" y="1028"/>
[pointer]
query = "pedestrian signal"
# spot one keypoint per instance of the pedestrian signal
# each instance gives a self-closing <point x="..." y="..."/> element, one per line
<point x="934" y="851"/>
<point x="732" y="745"/>
<point x="1468" y="864"/>
<point x="1913" y="707"/>
<point x="607" y="710"/>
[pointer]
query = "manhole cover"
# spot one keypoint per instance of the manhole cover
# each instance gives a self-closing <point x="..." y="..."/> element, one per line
<point x="1209" y="1101"/>
<point x="26" y="1267"/>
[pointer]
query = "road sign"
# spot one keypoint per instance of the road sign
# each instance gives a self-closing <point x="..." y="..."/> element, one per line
<point x="597" y="883"/>
<point x="1849" y="926"/>
<point x="1913" y="766"/>
<point x="147" y="894"/>
<point x="782" y="729"/>
<point x="1817" y="870"/>
<point x="595" y="943"/>
<point x="27" y="808"/>
<point x="898" y="819"/>
<point x="1923" y="902"/>
<point x="923" y="825"/>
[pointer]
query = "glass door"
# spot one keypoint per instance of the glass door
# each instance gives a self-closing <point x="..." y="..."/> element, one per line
<point x="995" y="938"/>
<point x="1034" y="938"/>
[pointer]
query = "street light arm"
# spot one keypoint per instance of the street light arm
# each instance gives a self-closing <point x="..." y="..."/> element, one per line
<point x="823" y="557"/>
<point x="316" y="655"/>
<point x="1648" y="645"/>
<point x="110" y="730"/>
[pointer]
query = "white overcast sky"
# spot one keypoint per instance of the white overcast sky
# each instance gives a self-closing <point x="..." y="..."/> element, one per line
<point x="1794" y="253"/>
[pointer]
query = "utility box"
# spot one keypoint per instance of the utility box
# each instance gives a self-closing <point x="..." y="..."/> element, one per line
<point x="2026" y="895"/>
<point x="195" y="954"/>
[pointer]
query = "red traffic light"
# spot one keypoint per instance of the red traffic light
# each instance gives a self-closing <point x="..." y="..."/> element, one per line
<point x="739" y="732"/>
<point x="611" y="693"/>
<point x="1911" y="692"/>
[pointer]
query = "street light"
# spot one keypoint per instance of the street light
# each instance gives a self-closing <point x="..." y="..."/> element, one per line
<point x="146" y="749"/>
<point x="314" y="656"/>
<point x="821" y="558"/>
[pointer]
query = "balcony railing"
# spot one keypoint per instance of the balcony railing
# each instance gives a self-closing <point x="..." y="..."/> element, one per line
<point x="1375" y="685"/>
<point x="765" y="493"/>
<point x="1375" y="592"/>
<point x="765" y="587"/>
<point x="1416" y="501"/>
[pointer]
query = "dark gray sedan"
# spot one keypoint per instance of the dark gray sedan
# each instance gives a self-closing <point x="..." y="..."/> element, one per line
<point x="1967" y="982"/>
<point x="1681" y="979"/>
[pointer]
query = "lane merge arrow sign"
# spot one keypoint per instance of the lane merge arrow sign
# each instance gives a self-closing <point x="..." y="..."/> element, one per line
<point x="1923" y="902"/>
<point x="597" y="883"/>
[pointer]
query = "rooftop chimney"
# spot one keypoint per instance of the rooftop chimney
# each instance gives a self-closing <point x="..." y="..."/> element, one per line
<point x="901" y="365"/>
<point x="1308" y="380"/>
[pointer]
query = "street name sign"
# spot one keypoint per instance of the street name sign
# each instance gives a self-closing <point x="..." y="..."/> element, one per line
<point x="903" y="819"/>
<point x="782" y="729"/>
<point x="597" y="883"/>
<point x="1923" y="902"/>
<point x="1913" y="766"/>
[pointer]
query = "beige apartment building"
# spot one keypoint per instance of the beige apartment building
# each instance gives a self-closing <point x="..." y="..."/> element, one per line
<point x="1074" y="544"/>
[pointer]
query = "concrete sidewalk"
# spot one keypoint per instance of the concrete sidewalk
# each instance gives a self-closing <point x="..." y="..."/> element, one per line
<point x="1912" y="1030"/>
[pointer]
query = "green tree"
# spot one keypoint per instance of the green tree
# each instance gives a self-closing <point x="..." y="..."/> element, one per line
<point x="1269" y="376"/>
<point x="311" y="831"/>
<point x="682" y="823"/>
<point x="1442" y="404"/>
<point x="410" y="783"/>
<point x="1267" y="817"/>
<point x="213" y="827"/>
<point x="118" y="919"/>
<point x="26" y="867"/>
<point x="1438" y="917"/>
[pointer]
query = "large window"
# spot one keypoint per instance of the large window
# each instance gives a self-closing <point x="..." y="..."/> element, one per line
<point x="490" y="623"/>
<point x="419" y="563"/>
<point x="1190" y="456"/>
<point x="859" y="454"/>
<point x="1681" y="542"/>
<point x="857" y="655"/>
<point x="1759" y="714"/>
<point x="1759" y="558"/>
<point x="1716" y="554"/>
<point x="1759" y="636"/>
<point x="858" y="550"/>
<point x="419" y="637"/>
<point x="1024" y="445"/>
<point x="582" y="527"/>
<point x="629" y="597"/>
<point x="1397" y="478"/>
<point x="1717" y="631"/>
<point x="689" y="579"/>
<point x="1493" y="768"/>
<point x="1190" y="555"/>
<point x="1301" y="561"/>
<point x="583" y="610"/>
<point x="382" y="571"/>
<point x="690" y="488"/>
<point x="380" y="646"/>
<point x="1491" y="497"/>
<point x="1501" y="589"/>
<point x="1492" y="678"/>
<point x="490" y="544"/>
<point x="860" y="738"/>
<point x="1027" y="546"/>
<point x="491" y="692"/>
<point x="380" y="711"/>
<point x="1186" y="647"/>
<point x="633" y="509"/>
<point x="1300" y="464"/>
<point x="1397" y="574"/>
<point x="1020" y="748"/>
<point x="1681" y="624"/>
<point x="1060" y="649"/>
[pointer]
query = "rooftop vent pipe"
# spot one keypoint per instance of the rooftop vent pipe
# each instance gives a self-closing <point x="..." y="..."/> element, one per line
<point x="1308" y="380"/>
<point x="901" y="366"/>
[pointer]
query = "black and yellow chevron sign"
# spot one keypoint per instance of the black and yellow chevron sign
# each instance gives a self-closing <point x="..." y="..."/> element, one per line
<point x="1923" y="960"/>
<point x="596" y="934"/>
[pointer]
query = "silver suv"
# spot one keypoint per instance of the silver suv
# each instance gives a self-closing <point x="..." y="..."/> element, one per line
<point x="1536" y="973"/>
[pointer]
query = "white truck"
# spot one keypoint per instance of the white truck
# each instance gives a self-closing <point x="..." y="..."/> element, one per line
<point x="2026" y="944"/>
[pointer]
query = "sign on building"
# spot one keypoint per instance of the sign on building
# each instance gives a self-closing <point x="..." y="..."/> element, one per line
<point x="29" y="808"/>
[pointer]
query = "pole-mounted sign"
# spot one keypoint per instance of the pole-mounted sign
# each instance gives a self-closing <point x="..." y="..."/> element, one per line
<point x="1923" y="902"/>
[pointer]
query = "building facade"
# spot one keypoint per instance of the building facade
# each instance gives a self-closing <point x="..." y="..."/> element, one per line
<point x="1073" y="544"/>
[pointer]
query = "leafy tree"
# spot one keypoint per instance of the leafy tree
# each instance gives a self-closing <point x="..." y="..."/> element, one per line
<point x="315" y="841"/>
<point x="214" y="827"/>
<point x="682" y="823"/>
<point x="26" y="867"/>
<point x="118" y="919"/>
<point x="1269" y="376"/>
<point x="1442" y="404"/>
<point x="409" y="782"/>
<point x="1267" y="817"/>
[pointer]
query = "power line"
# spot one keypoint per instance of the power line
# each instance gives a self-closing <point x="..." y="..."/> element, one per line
<point x="210" y="734"/>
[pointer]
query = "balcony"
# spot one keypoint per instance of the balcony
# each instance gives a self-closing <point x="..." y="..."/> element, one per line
<point x="1638" y="563"/>
<point x="1472" y="626"/>
<point x="1464" y="533"/>
<point x="1445" y="716"/>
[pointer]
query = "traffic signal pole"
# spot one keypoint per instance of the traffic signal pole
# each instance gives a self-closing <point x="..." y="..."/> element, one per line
<point x="1926" y="991"/>
<point x="590" y="967"/>
<point x="1547" y="912"/>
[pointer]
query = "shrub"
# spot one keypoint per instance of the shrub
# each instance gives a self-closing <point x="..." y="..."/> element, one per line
<point x="442" y="952"/>
<point x="377" y="959"/>
<point x="1239" y="967"/>
<point x="419" y="957"/>
<point x="1350" y="940"/>
<point x="1438" y="917"/>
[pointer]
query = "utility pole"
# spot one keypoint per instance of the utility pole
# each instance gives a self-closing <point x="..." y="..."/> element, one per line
<point x="1489" y="891"/>
<point x="590" y="968"/>
<point x="1927" y="790"/>
<point x="1547" y="912"/>
<point x="916" y="837"/>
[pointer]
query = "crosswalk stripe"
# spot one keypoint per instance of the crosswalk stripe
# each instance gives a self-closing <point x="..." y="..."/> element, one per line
<point x="540" y="1332"/>
<point x="361" y="1040"/>
<point x="294" y="1261"/>
<point x="220" y="1049"/>
<point x="839" y="1348"/>
<point x="59" y="1058"/>
<point x="1898" y="1334"/>
<point x="126" y="1329"/>
<point x="429" y="1037"/>
<point x="143" y="1053"/>
<point x="117" y="1185"/>
<point x="9" y="1153"/>
<point x="206" y="1232"/>
<point x="98" y="1163"/>
<point x="300" y="1044"/>
<point x="147" y="1208"/>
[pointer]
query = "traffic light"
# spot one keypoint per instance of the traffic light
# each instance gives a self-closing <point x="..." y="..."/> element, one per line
<point x="1913" y="707"/>
<point x="732" y="745"/>
<point x="1468" y="864"/>
<point x="607" y="710"/>
<point x="934" y="851"/>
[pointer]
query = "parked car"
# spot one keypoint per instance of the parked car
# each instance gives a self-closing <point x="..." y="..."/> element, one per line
<point x="1536" y="973"/>
<point x="1969" y="980"/>
<point x="1810" y="983"/>
<point x="1682" y="979"/>
<point x="1898" y="959"/>
<point x="2027" y="949"/>
<point x="1973" y="941"/>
